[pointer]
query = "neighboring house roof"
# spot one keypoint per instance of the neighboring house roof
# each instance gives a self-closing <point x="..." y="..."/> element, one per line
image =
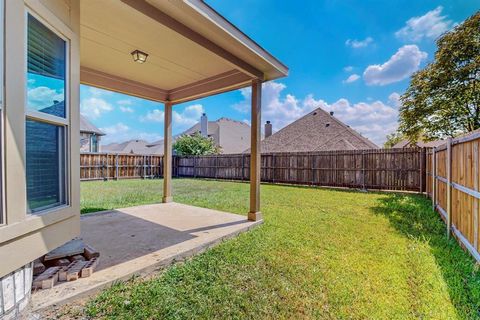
<point x="231" y="135"/>
<point x="420" y="144"/>
<point x="130" y="146"/>
<point x="316" y="131"/>
<point x="88" y="127"/>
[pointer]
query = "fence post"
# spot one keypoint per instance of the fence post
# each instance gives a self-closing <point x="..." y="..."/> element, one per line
<point x="421" y="152"/>
<point x="243" y="166"/>
<point x="116" y="166"/>
<point x="311" y="168"/>
<point x="194" y="166"/>
<point x="449" y="185"/>
<point x="363" y="170"/>
<point x="434" y="178"/>
<point x="103" y="168"/>
<point x="475" y="203"/>
<point x="273" y="167"/>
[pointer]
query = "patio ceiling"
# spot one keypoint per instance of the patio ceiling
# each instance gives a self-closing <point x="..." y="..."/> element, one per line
<point x="193" y="51"/>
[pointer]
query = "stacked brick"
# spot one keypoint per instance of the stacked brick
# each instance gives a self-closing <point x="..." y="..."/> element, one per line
<point x="69" y="262"/>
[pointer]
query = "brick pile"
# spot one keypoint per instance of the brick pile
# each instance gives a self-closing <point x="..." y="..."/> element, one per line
<point x="69" y="262"/>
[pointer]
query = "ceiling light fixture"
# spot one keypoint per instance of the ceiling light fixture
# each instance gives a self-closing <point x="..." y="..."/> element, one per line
<point x="139" y="56"/>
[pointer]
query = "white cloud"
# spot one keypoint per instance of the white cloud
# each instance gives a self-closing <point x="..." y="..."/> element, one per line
<point x="42" y="97"/>
<point x="155" y="115"/>
<point x="352" y="78"/>
<point x="116" y="129"/>
<point x="374" y="119"/>
<point x="120" y="132"/>
<point x="97" y="92"/>
<point x="394" y="99"/>
<point x="348" y="69"/>
<point x="126" y="109"/>
<point x="429" y="26"/>
<point x="400" y="66"/>
<point x="356" y="44"/>
<point x="125" y="102"/>
<point x="188" y="117"/>
<point x="94" y="107"/>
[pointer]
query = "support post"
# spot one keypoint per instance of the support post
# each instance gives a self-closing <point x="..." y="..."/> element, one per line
<point x="167" y="154"/>
<point x="255" y="160"/>
<point x="449" y="186"/>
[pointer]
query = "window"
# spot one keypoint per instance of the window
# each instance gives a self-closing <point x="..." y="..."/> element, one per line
<point x="46" y="118"/>
<point x="94" y="143"/>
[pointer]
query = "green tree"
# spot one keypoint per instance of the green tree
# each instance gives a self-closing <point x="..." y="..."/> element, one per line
<point x="443" y="99"/>
<point x="195" y="145"/>
<point x="393" y="139"/>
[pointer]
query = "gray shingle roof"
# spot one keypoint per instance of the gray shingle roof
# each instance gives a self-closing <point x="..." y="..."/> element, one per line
<point x="316" y="131"/>
<point x="87" y="126"/>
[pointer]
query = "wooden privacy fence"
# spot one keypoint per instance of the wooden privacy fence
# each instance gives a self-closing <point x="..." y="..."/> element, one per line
<point x="453" y="185"/>
<point x="106" y="166"/>
<point x="393" y="169"/>
<point x="388" y="169"/>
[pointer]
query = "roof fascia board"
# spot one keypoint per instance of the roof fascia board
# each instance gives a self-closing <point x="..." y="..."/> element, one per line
<point x="221" y="22"/>
<point x="114" y="83"/>
<point x="220" y="83"/>
<point x="159" y="16"/>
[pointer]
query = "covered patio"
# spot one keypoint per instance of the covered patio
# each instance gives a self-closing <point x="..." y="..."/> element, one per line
<point x="188" y="51"/>
<point x="169" y="52"/>
<point x="142" y="239"/>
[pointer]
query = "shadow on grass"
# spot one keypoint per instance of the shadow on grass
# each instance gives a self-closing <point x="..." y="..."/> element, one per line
<point x="413" y="216"/>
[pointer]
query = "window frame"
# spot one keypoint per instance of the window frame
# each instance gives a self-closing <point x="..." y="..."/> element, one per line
<point x="35" y="115"/>
<point x="2" y="104"/>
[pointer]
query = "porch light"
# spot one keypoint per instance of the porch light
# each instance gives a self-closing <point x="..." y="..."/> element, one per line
<point x="139" y="56"/>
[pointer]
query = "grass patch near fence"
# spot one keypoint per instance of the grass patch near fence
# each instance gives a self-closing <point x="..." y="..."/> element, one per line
<point x="320" y="254"/>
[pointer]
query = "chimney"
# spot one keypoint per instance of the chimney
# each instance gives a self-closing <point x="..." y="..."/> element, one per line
<point x="204" y="125"/>
<point x="331" y="113"/>
<point x="268" y="129"/>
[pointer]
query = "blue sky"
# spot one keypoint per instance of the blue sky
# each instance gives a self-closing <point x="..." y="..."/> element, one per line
<point x="350" y="57"/>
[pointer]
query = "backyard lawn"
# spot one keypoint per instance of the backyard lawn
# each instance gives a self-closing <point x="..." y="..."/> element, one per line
<point x="321" y="253"/>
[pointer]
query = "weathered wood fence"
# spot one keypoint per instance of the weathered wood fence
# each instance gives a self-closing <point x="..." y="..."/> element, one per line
<point x="392" y="169"/>
<point x="106" y="166"/>
<point x="453" y="185"/>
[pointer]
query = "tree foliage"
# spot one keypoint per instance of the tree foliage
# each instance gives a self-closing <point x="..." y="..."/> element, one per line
<point x="195" y="145"/>
<point x="393" y="139"/>
<point x="443" y="99"/>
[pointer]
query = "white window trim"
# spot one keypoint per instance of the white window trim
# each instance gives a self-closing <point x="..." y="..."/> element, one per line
<point x="51" y="119"/>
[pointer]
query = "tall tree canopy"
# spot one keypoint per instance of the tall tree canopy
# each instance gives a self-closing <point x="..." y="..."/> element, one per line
<point x="444" y="98"/>
<point x="195" y="145"/>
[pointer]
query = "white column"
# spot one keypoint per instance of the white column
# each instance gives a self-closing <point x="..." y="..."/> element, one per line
<point x="167" y="154"/>
<point x="255" y="136"/>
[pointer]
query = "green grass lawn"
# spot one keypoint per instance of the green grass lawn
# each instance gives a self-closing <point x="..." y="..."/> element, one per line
<point x="321" y="253"/>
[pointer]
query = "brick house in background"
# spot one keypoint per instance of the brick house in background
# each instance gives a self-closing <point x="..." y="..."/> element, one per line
<point x="230" y="135"/>
<point x="90" y="136"/>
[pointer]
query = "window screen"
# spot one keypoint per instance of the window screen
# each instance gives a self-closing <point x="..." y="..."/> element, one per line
<point x="46" y="65"/>
<point x="45" y="165"/>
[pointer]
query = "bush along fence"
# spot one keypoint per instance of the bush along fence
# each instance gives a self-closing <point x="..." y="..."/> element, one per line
<point x="453" y="185"/>
<point x="386" y="169"/>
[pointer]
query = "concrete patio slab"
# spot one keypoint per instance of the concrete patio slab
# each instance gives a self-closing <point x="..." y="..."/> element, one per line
<point x="142" y="239"/>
